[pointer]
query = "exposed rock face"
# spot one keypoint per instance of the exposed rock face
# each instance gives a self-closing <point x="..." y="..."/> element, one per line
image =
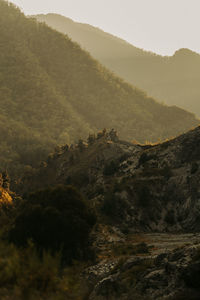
<point x="142" y="188"/>
<point x="170" y="275"/>
<point x="136" y="189"/>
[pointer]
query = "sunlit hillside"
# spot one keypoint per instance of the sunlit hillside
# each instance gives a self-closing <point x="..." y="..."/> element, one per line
<point x="52" y="92"/>
<point x="173" y="80"/>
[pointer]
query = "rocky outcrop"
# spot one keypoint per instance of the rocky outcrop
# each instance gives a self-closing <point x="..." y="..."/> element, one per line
<point x="135" y="187"/>
<point x="170" y="275"/>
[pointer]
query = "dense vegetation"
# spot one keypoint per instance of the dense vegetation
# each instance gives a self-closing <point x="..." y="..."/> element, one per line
<point x="55" y="219"/>
<point x="52" y="92"/>
<point x="174" y="80"/>
<point x="44" y="243"/>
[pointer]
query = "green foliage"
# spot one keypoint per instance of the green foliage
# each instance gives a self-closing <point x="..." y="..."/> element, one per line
<point x="52" y="92"/>
<point x="25" y="275"/>
<point x="56" y="219"/>
<point x="173" y="79"/>
<point x="28" y="272"/>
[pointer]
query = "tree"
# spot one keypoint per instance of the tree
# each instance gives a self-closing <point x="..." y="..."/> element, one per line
<point x="91" y="139"/>
<point x="6" y="180"/>
<point x="55" y="219"/>
<point x="81" y="145"/>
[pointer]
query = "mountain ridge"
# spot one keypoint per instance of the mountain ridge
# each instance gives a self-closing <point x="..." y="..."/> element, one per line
<point x="52" y="92"/>
<point x="152" y="188"/>
<point x="173" y="80"/>
<point x="103" y="32"/>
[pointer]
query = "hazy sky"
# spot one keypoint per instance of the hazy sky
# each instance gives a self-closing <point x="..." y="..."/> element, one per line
<point x="161" y="26"/>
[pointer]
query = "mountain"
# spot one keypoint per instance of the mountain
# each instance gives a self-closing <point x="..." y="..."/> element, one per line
<point x="145" y="219"/>
<point x="52" y="92"/>
<point x="173" y="80"/>
<point x="146" y="200"/>
<point x="144" y="188"/>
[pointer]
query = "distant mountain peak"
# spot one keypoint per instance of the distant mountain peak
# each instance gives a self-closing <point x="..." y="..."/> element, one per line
<point x="53" y="15"/>
<point x="174" y="80"/>
<point x="52" y="92"/>
<point x="184" y="52"/>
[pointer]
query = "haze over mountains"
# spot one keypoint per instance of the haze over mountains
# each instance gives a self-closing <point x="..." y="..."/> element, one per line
<point x="98" y="218"/>
<point x="173" y="80"/>
<point x="53" y="92"/>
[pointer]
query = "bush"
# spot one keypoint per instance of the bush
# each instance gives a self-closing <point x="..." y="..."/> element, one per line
<point x="55" y="218"/>
<point x="24" y="275"/>
<point x="145" y="157"/>
<point x="113" y="206"/>
<point x="110" y="168"/>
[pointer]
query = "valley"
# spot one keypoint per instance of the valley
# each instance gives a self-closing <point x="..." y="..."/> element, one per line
<point x="99" y="179"/>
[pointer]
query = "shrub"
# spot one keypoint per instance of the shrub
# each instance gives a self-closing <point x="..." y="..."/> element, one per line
<point x="55" y="218"/>
<point x="113" y="206"/>
<point x="146" y="157"/>
<point x="24" y="275"/>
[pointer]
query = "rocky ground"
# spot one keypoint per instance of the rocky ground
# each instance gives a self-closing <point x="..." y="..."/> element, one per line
<point x="166" y="242"/>
<point x="147" y="202"/>
<point x="147" y="266"/>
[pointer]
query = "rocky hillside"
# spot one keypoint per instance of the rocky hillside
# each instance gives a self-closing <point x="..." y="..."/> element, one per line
<point x="134" y="187"/>
<point x="171" y="275"/>
<point x="173" y="80"/>
<point x="146" y="199"/>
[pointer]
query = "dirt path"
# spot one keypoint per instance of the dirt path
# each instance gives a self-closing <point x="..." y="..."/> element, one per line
<point x="163" y="242"/>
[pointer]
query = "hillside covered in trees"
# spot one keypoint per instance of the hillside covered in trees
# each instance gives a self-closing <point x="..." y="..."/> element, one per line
<point x="173" y="80"/>
<point x="52" y="92"/>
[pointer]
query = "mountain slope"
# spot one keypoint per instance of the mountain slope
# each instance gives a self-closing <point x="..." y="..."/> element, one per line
<point x="53" y="92"/>
<point x="142" y="188"/>
<point x="174" y="80"/>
